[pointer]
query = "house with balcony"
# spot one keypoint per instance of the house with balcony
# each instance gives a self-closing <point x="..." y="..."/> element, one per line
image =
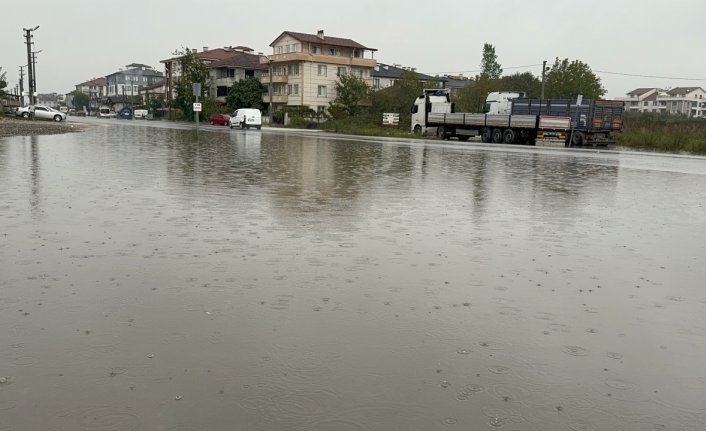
<point x="123" y="87"/>
<point x="689" y="101"/>
<point x="642" y="100"/>
<point x="240" y="65"/>
<point x="95" y="89"/>
<point x="386" y="75"/>
<point x="304" y="68"/>
<point x="208" y="56"/>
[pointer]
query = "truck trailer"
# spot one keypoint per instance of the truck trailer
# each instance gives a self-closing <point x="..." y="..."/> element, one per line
<point x="511" y="118"/>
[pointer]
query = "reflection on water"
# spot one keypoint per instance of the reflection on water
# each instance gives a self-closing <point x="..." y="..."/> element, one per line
<point x="162" y="279"/>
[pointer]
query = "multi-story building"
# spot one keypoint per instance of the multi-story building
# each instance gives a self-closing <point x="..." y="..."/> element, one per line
<point x="385" y="75"/>
<point x="224" y="73"/>
<point x="689" y="101"/>
<point x="123" y="87"/>
<point x="207" y="56"/>
<point x="304" y="68"/>
<point x="95" y="89"/>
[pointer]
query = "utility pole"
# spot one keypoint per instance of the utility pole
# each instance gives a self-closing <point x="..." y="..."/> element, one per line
<point x="34" y="68"/>
<point x="544" y="76"/>
<point x="30" y="74"/>
<point x="22" y="87"/>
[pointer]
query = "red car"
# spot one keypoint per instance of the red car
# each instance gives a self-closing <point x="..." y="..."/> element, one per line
<point x="221" y="119"/>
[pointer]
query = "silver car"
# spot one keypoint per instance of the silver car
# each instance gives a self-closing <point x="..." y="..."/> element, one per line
<point x="41" y="112"/>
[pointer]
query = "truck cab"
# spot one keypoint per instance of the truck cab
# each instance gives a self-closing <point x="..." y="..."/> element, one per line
<point x="433" y="100"/>
<point x="500" y="102"/>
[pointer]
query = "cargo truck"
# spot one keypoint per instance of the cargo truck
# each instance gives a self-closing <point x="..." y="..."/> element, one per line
<point x="511" y="118"/>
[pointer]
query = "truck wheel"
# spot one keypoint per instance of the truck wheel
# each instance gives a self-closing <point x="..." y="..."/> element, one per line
<point x="577" y="139"/>
<point x="486" y="135"/>
<point x="417" y="129"/>
<point x="441" y="132"/>
<point x="497" y="136"/>
<point x="509" y="136"/>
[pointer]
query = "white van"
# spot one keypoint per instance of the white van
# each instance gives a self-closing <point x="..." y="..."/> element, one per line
<point x="140" y="113"/>
<point x="246" y="118"/>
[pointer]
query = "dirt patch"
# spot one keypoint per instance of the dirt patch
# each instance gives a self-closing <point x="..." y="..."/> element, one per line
<point x="11" y="126"/>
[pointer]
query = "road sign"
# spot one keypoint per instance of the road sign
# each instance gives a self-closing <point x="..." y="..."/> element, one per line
<point x="579" y="99"/>
<point x="197" y="107"/>
<point x="390" y="119"/>
<point x="196" y="88"/>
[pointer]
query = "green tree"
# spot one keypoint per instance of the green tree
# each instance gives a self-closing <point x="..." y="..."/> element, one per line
<point x="566" y="80"/>
<point x="3" y="82"/>
<point x="489" y="66"/>
<point x="523" y="82"/>
<point x="351" y="93"/>
<point x="80" y="100"/>
<point x="246" y="93"/>
<point x="154" y="103"/>
<point x="398" y="98"/>
<point x="471" y="98"/>
<point x="192" y="70"/>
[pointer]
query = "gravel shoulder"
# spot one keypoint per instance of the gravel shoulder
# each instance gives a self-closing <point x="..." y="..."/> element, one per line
<point x="12" y="126"/>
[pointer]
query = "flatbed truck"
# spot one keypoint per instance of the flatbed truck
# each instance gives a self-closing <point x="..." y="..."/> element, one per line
<point x="511" y="118"/>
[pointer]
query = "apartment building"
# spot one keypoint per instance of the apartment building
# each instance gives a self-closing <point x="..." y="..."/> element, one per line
<point x="689" y="101"/>
<point x="239" y="66"/>
<point x="304" y="68"/>
<point x="207" y="56"/>
<point x="123" y="87"/>
<point x="95" y="89"/>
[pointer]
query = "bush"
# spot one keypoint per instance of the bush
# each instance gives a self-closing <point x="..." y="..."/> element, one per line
<point x="672" y="133"/>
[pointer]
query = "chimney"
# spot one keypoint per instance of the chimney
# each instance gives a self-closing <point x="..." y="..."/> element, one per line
<point x="194" y="50"/>
<point x="320" y="34"/>
<point x="205" y="48"/>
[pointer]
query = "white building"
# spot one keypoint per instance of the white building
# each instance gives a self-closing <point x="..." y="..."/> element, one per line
<point x="689" y="101"/>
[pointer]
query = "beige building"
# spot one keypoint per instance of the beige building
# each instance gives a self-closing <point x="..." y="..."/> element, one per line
<point x="305" y="68"/>
<point x="689" y="101"/>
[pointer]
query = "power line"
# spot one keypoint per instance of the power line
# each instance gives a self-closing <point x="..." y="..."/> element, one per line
<point x="636" y="75"/>
<point x="479" y="70"/>
<point x="650" y="76"/>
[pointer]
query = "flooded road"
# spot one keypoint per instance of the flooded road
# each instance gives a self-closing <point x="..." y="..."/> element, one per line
<point x="155" y="279"/>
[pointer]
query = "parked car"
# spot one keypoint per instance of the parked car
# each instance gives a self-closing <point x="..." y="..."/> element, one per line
<point x="220" y="119"/>
<point x="246" y="118"/>
<point x="41" y="112"/>
<point x="22" y="112"/>
<point x="105" y="112"/>
<point x="125" y="114"/>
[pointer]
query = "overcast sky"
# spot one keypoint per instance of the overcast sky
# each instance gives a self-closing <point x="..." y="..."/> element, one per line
<point x="84" y="39"/>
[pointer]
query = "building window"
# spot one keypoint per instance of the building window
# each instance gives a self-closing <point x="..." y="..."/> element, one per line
<point x="322" y="70"/>
<point x="340" y="71"/>
<point x="295" y="90"/>
<point x="316" y="49"/>
<point x="293" y="69"/>
<point x="376" y="83"/>
<point x="358" y="73"/>
<point x="322" y="91"/>
<point x="222" y="91"/>
<point x="334" y="51"/>
<point x="278" y="50"/>
<point x="295" y="47"/>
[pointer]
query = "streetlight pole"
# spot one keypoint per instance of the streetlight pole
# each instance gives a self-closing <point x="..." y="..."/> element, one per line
<point x="30" y="73"/>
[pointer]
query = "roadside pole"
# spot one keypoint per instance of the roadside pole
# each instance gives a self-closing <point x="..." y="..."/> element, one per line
<point x="575" y="124"/>
<point x="196" y="88"/>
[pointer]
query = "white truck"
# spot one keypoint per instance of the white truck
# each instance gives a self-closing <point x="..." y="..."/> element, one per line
<point x="511" y="118"/>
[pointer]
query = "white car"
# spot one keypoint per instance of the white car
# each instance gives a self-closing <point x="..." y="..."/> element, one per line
<point x="246" y="118"/>
<point x="41" y="112"/>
